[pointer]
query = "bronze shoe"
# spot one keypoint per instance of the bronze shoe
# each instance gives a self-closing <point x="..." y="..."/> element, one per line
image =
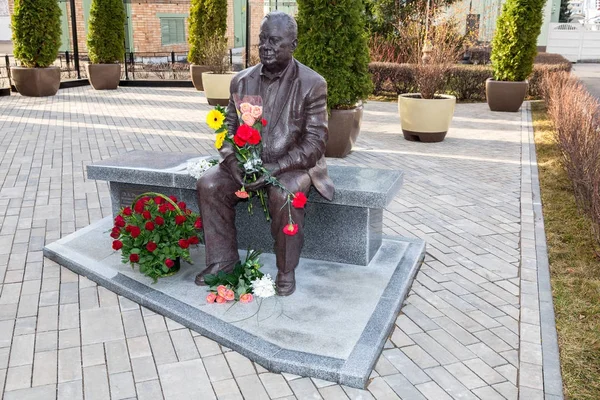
<point x="285" y="283"/>
<point x="226" y="267"/>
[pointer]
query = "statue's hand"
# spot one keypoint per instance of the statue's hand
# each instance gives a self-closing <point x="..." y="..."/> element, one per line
<point x="262" y="181"/>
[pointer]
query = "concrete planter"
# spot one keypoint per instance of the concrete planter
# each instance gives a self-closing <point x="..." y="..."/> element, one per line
<point x="216" y="87"/>
<point x="36" y="82"/>
<point x="505" y="96"/>
<point x="196" y="72"/>
<point x="104" y="76"/>
<point x="425" y="120"/>
<point x="344" y="127"/>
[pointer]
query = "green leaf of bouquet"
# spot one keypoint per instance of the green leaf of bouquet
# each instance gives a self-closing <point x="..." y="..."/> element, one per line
<point x="211" y="280"/>
<point x="135" y="250"/>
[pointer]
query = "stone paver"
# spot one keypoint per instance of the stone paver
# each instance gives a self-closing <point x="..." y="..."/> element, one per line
<point x="479" y="300"/>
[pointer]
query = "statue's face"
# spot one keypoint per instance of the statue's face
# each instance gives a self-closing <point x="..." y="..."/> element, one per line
<point x="276" y="45"/>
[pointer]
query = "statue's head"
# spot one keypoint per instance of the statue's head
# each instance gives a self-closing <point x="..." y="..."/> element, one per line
<point x="277" y="41"/>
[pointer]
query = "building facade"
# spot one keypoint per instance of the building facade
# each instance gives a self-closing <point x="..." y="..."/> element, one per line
<point x="5" y="33"/>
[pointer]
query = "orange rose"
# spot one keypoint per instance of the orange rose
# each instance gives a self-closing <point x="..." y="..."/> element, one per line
<point x="220" y="300"/>
<point x="211" y="297"/>
<point x="246" y="298"/>
<point x="229" y="295"/>
<point x="221" y="290"/>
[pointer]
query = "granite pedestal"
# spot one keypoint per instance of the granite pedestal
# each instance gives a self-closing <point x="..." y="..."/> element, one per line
<point x="346" y="230"/>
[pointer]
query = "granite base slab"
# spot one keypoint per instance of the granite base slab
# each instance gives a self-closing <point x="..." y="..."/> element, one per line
<point x="299" y="334"/>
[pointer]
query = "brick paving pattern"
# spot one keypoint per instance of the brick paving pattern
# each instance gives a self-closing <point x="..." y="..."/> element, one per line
<point x="470" y="328"/>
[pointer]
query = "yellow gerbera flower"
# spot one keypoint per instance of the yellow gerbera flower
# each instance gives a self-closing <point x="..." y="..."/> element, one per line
<point x="215" y="119"/>
<point x="219" y="140"/>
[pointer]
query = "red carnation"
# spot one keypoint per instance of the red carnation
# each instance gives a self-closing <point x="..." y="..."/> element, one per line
<point x="146" y="214"/>
<point x="115" y="233"/>
<point x="117" y="244"/>
<point x="135" y="231"/>
<point x="238" y="141"/>
<point x="127" y="211"/>
<point x="169" y="263"/>
<point x="244" y="132"/>
<point x="149" y="226"/>
<point x="198" y="223"/>
<point x="193" y="240"/>
<point x="139" y="206"/>
<point x="128" y="228"/>
<point x="159" y="220"/>
<point x="163" y="208"/>
<point x="158" y="200"/>
<point x="263" y="122"/>
<point x="173" y="199"/>
<point x="119" y="221"/>
<point x="299" y="200"/>
<point x="179" y="219"/>
<point x="184" y="244"/>
<point x="134" y="258"/>
<point x="182" y="205"/>
<point x="170" y="207"/>
<point x="151" y="246"/>
<point x="254" y="138"/>
<point x="290" y="229"/>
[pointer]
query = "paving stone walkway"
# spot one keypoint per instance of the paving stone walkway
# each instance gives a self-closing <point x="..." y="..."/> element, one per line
<point x="472" y="326"/>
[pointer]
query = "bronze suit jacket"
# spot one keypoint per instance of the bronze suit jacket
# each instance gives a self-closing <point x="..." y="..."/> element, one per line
<point x="296" y="136"/>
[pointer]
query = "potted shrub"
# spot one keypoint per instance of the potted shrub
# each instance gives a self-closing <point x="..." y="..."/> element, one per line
<point x="207" y="21"/>
<point x="217" y="80"/>
<point x="514" y="47"/>
<point x="36" y="34"/>
<point x="106" y="43"/>
<point x="332" y="40"/>
<point x="155" y="233"/>
<point x="426" y="116"/>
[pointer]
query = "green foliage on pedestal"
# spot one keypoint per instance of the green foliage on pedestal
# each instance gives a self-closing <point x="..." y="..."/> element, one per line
<point x="207" y="24"/>
<point x="514" y="46"/>
<point x="36" y="31"/>
<point x="106" y="31"/>
<point x="332" y="40"/>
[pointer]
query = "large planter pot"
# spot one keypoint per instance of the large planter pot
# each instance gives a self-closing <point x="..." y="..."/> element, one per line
<point x="344" y="127"/>
<point x="104" y="76"/>
<point x="36" y="82"/>
<point x="196" y="72"/>
<point x="425" y="120"/>
<point x="505" y="96"/>
<point x="216" y="87"/>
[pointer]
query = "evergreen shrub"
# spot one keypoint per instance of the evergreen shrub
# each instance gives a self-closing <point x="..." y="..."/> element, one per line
<point x="36" y="31"/>
<point x="514" y="45"/>
<point x="207" y="24"/>
<point x="106" y="31"/>
<point x="332" y="41"/>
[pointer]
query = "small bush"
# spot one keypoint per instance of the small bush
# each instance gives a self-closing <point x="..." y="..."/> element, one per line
<point x="467" y="82"/>
<point x="207" y="24"/>
<point x="106" y="32"/>
<point x="36" y="32"/>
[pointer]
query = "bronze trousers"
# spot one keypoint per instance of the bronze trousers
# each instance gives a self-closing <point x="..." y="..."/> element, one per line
<point x="217" y="201"/>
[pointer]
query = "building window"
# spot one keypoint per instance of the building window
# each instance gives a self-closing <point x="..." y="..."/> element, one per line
<point x="172" y="30"/>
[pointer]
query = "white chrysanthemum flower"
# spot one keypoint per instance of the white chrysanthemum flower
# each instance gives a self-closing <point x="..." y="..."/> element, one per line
<point x="264" y="287"/>
<point x="198" y="167"/>
<point x="252" y="165"/>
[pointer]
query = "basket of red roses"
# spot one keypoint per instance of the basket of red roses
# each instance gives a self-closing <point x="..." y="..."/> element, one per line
<point x="156" y="233"/>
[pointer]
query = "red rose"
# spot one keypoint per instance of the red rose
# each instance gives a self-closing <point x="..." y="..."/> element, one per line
<point x="149" y="226"/>
<point x="290" y="229"/>
<point x="170" y="207"/>
<point x="198" y="223"/>
<point x="146" y="214"/>
<point x="299" y="200"/>
<point x="169" y="263"/>
<point x="239" y="142"/>
<point x="146" y="199"/>
<point x="184" y="244"/>
<point x="173" y="199"/>
<point x="117" y="244"/>
<point x="159" y="220"/>
<point x="134" y="258"/>
<point x="163" y="208"/>
<point x="180" y="219"/>
<point x="139" y="206"/>
<point x="127" y="211"/>
<point x="119" y="221"/>
<point x="263" y="122"/>
<point x="115" y="233"/>
<point x="135" y="231"/>
<point x="158" y="200"/>
<point x="254" y="138"/>
<point x="181" y="205"/>
<point x="151" y="246"/>
<point x="128" y="228"/>
<point x="188" y="211"/>
<point x="193" y="240"/>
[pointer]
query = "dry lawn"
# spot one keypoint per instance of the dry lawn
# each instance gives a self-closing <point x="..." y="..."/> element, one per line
<point x="575" y="268"/>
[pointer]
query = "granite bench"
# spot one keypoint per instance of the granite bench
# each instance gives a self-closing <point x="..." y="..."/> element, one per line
<point x="347" y="230"/>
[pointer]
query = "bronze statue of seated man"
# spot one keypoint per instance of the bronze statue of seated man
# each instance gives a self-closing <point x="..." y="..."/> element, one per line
<point x="294" y="99"/>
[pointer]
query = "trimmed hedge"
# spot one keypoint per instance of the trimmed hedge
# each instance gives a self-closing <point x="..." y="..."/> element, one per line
<point x="206" y="25"/>
<point x="466" y="82"/>
<point x="106" y="32"/>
